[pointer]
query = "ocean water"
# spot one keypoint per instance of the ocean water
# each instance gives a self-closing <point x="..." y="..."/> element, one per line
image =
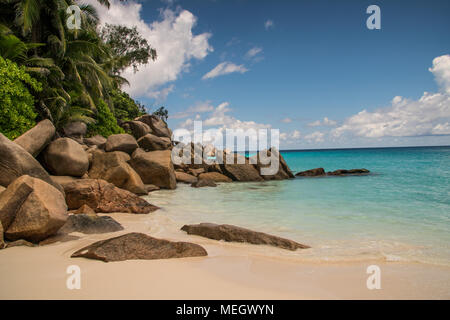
<point x="400" y="212"/>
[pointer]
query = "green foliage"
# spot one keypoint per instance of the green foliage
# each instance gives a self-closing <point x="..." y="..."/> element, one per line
<point x="16" y="101"/>
<point x="106" y="123"/>
<point x="125" y="108"/>
<point x="162" y="113"/>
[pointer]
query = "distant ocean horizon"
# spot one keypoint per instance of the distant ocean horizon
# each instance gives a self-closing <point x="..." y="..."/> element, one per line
<point x="400" y="212"/>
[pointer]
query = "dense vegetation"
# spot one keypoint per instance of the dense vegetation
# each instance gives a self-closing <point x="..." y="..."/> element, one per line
<point x="51" y="71"/>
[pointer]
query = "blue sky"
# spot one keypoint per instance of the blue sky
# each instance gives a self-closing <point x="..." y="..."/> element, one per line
<point x="297" y="63"/>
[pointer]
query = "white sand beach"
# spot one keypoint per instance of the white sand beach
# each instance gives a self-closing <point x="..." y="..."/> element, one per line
<point x="230" y="271"/>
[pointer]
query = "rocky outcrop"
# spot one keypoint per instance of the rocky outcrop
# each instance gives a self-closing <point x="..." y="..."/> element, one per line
<point x="344" y="172"/>
<point x="155" y="167"/>
<point x="97" y="140"/>
<point x="84" y="209"/>
<point x="240" y="172"/>
<point x="150" y="142"/>
<point x="185" y="178"/>
<point x="320" y="172"/>
<point x="196" y="172"/>
<point x="31" y="209"/>
<point x="113" y="167"/>
<point x="90" y="224"/>
<point x="16" y="162"/>
<point x="137" y="128"/>
<point x="151" y="187"/>
<point x="2" y="240"/>
<point x="158" y="126"/>
<point x="121" y="142"/>
<point x="37" y="138"/>
<point x="214" y="176"/>
<point x="61" y="180"/>
<point x="231" y="233"/>
<point x="104" y="197"/>
<point x="2" y="189"/>
<point x="134" y="246"/>
<point x="66" y="157"/>
<point x="283" y="172"/>
<point x="311" y="173"/>
<point x="203" y="183"/>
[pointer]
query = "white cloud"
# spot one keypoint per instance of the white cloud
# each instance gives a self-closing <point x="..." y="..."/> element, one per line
<point x="286" y="120"/>
<point x="430" y="115"/>
<point x="316" y="136"/>
<point x="199" y="107"/>
<point x="325" y="122"/>
<point x="441" y="71"/>
<point x="296" y="134"/>
<point x="223" y="69"/>
<point x="269" y="24"/>
<point x="253" y="52"/>
<point x="172" y="38"/>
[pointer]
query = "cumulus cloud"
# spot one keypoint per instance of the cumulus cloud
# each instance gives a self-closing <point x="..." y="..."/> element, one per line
<point x="199" y="107"/>
<point x="325" y="122"/>
<point x="316" y="136"/>
<point x="171" y="36"/>
<point x="428" y="116"/>
<point x="223" y="69"/>
<point x="269" y="24"/>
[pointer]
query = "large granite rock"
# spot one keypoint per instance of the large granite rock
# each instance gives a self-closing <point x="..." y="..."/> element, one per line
<point x="97" y="140"/>
<point x="121" y="142"/>
<point x="37" y="138"/>
<point x="66" y="157"/>
<point x="158" y="126"/>
<point x="134" y="246"/>
<point x="16" y="162"/>
<point x="41" y="213"/>
<point x="214" y="176"/>
<point x="317" y="172"/>
<point x="283" y="171"/>
<point x="185" y="177"/>
<point x="113" y="167"/>
<point x="137" y="128"/>
<point x="240" y="172"/>
<point x="155" y="168"/>
<point x="2" y="188"/>
<point x="2" y="240"/>
<point x="90" y="224"/>
<point x="76" y="130"/>
<point x="150" y="142"/>
<point x="231" y="233"/>
<point x="104" y="197"/>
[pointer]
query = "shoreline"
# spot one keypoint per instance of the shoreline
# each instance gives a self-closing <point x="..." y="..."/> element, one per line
<point x="230" y="271"/>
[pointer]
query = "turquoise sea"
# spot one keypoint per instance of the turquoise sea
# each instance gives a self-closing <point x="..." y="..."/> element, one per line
<point x="400" y="212"/>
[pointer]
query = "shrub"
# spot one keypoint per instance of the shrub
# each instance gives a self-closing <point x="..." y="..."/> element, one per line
<point x="16" y="102"/>
<point x="106" y="123"/>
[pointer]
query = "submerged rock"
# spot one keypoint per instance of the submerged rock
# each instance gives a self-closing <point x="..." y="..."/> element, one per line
<point x="231" y="233"/>
<point x="37" y="138"/>
<point x="90" y="224"/>
<point x="104" y="197"/>
<point x="343" y="172"/>
<point x="20" y="243"/>
<point x="134" y="246"/>
<point x="203" y="183"/>
<point x="311" y="173"/>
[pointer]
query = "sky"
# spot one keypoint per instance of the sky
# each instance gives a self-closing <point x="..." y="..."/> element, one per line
<point x="311" y="69"/>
